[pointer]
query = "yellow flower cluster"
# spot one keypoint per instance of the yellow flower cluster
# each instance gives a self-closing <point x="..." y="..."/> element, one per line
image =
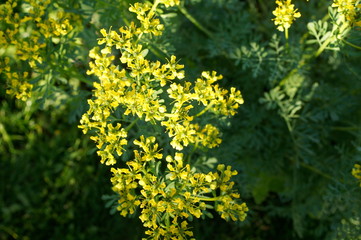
<point x="169" y="3"/>
<point x="20" y="88"/>
<point x="132" y="88"/>
<point x="349" y="9"/>
<point x="56" y="27"/>
<point x="175" y="197"/>
<point x="139" y="91"/>
<point x="25" y="33"/>
<point x="285" y="14"/>
<point x="356" y="172"/>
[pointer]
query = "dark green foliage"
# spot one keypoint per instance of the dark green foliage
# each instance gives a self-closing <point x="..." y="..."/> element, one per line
<point x="294" y="140"/>
<point x="51" y="180"/>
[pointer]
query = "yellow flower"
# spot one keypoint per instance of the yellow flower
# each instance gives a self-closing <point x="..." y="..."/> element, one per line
<point x="149" y="148"/>
<point x="356" y="172"/>
<point x="348" y="8"/>
<point x="285" y="14"/>
<point x="168" y="3"/>
<point x="18" y="85"/>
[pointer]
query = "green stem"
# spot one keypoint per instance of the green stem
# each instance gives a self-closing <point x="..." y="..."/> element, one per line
<point x="157" y="52"/>
<point x="126" y="21"/>
<point x="189" y="157"/>
<point x="315" y="170"/>
<point x="9" y="231"/>
<point x="204" y="110"/>
<point x="131" y="125"/>
<point x="167" y="221"/>
<point x="323" y="46"/>
<point x="346" y="128"/>
<point x="286" y="34"/>
<point x="154" y="7"/>
<point x="184" y="11"/>
<point x="6" y="137"/>
<point x="84" y="80"/>
<point x="351" y="44"/>
<point x="206" y="199"/>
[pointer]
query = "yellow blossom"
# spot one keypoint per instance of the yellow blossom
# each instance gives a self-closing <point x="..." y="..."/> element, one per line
<point x="285" y="14"/>
<point x="18" y="85"/>
<point x="356" y="172"/>
<point x="348" y="8"/>
<point x="26" y="30"/>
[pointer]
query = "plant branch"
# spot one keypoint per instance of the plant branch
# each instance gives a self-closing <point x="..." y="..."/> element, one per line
<point x="185" y="12"/>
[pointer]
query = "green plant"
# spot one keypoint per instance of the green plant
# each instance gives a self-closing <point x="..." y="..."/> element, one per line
<point x="143" y="91"/>
<point x="295" y="141"/>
